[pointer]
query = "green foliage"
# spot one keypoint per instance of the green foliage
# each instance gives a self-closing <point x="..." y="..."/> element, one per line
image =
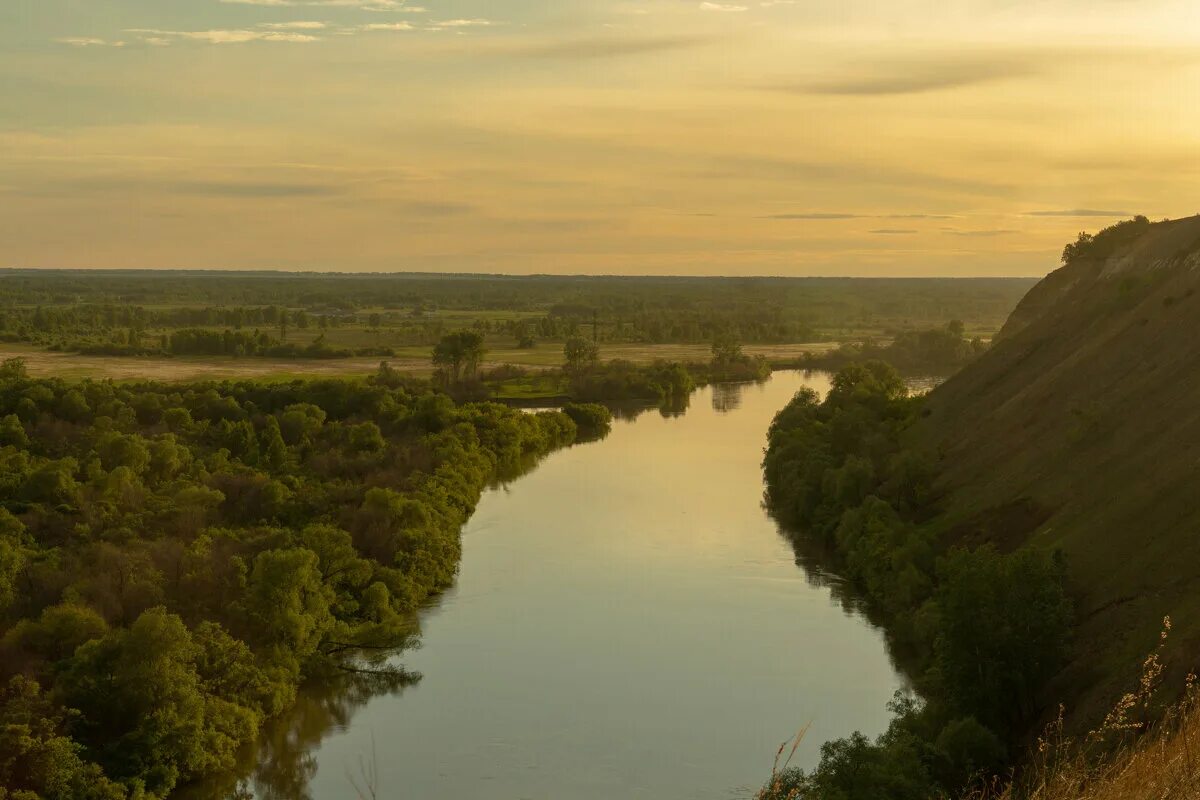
<point x="622" y="383"/>
<point x="1004" y="621"/>
<point x="176" y="559"/>
<point x="458" y="356"/>
<point x="145" y="712"/>
<point x="729" y="363"/>
<point x="580" y="356"/>
<point x="1104" y="243"/>
<point x="38" y="761"/>
<point x="592" y="420"/>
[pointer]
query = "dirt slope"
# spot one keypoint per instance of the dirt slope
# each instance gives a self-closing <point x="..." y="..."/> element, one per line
<point x="1080" y="430"/>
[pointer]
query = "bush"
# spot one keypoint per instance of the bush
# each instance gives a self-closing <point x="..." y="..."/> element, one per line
<point x="592" y="419"/>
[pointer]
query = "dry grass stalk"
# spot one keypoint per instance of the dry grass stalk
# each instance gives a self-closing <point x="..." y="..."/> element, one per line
<point x="1125" y="759"/>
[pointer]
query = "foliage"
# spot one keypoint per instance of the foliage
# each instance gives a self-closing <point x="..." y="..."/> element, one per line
<point x="458" y="355"/>
<point x="729" y="363"/>
<point x="591" y="419"/>
<point x="580" y="356"/>
<point x="1104" y="243"/>
<point x="175" y="559"/>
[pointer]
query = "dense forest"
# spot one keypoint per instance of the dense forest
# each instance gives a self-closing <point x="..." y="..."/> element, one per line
<point x="176" y="559"/>
<point x="983" y="630"/>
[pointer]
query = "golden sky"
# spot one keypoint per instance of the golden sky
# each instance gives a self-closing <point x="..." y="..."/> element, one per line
<point x="801" y="137"/>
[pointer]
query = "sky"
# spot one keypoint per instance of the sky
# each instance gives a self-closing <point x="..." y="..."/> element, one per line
<point x="748" y="137"/>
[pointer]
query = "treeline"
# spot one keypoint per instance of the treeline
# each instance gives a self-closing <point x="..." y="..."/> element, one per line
<point x="985" y="629"/>
<point x="175" y="559"/>
<point x="79" y="305"/>
<point x="939" y="351"/>
<point x="1103" y="244"/>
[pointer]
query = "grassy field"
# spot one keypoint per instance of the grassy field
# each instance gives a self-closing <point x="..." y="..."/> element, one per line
<point x="413" y="360"/>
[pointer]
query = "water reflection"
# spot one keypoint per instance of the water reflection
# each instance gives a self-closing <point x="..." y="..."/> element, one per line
<point x="727" y="397"/>
<point x="283" y="764"/>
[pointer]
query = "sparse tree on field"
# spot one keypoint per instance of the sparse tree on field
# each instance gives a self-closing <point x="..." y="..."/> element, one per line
<point x="581" y="355"/>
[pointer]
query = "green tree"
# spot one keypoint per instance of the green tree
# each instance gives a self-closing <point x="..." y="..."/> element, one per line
<point x="1004" y="629"/>
<point x="144" y="712"/>
<point x="14" y="555"/>
<point x="272" y="446"/>
<point x="13" y="370"/>
<point x="12" y="432"/>
<point x="287" y="600"/>
<point x="56" y="634"/>
<point x="727" y="349"/>
<point x="38" y="761"/>
<point x="581" y="356"/>
<point x="458" y="356"/>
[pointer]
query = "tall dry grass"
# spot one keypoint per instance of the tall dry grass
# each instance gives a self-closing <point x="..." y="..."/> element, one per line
<point x="1129" y="757"/>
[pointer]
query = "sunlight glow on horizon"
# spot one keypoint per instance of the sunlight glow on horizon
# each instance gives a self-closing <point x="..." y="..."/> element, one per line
<point x="619" y="137"/>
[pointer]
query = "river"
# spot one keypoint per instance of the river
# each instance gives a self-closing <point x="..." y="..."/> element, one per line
<point x="628" y="623"/>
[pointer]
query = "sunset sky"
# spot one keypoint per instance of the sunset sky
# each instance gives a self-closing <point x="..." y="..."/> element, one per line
<point x="809" y="137"/>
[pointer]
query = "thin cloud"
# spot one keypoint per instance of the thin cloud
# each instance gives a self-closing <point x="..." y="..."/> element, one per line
<point x="299" y="25"/>
<point x="893" y="231"/>
<point x="386" y="26"/>
<point x="908" y="76"/>
<point x="819" y="215"/>
<point x="229" y="189"/>
<point x="88" y="41"/>
<point x="722" y="7"/>
<point x="605" y="47"/>
<point x="1079" y="212"/>
<point x="255" y="190"/>
<point x="816" y="215"/>
<point x="369" y="5"/>
<point x="235" y="36"/>
<point x="464" y="23"/>
<point x="979" y="233"/>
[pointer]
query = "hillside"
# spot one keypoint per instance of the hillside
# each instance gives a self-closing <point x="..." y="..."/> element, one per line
<point x="1080" y="430"/>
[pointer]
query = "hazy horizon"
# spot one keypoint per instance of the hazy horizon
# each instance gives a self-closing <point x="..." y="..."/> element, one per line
<point x="663" y="137"/>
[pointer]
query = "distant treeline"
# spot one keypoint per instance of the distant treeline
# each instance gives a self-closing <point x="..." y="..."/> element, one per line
<point x="74" y="308"/>
<point x="176" y="559"/>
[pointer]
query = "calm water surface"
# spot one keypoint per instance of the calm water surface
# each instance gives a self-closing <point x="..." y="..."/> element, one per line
<point x="628" y="623"/>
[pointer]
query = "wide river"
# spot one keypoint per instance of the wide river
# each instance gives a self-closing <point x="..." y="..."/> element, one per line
<point x="628" y="623"/>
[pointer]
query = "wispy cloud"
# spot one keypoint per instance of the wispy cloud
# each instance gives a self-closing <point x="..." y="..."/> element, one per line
<point x="299" y="25"/>
<point x="979" y="233"/>
<point x="819" y="215"/>
<point x="604" y="47"/>
<point x="254" y="190"/>
<point x="1079" y="212"/>
<point x="88" y="41"/>
<point x="894" y="231"/>
<point x="914" y="76"/>
<point x="464" y="23"/>
<point x="383" y="26"/>
<point x="236" y="36"/>
<point x="723" y="7"/>
<point x="369" y="5"/>
<point x="816" y="215"/>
